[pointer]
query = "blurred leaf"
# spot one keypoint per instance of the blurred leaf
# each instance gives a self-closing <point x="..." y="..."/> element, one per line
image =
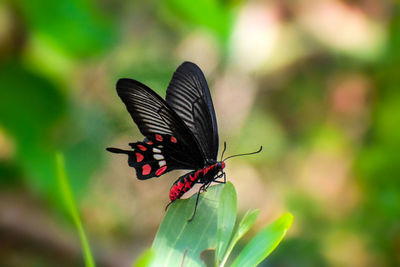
<point x="29" y="104"/>
<point x="264" y="242"/>
<point x="387" y="113"/>
<point x="215" y="15"/>
<point x="377" y="164"/>
<point x="85" y="134"/>
<point x="69" y="202"/>
<point x="226" y="219"/>
<point x="9" y="174"/>
<point x="50" y="60"/>
<point x="178" y="240"/>
<point x="77" y="28"/>
<point x="262" y="129"/>
<point x="245" y="224"/>
<point x="29" y="109"/>
<point x="33" y="113"/>
<point x="145" y="258"/>
<point x="300" y="252"/>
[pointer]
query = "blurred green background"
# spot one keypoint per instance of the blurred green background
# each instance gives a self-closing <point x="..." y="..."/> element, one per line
<point x="315" y="82"/>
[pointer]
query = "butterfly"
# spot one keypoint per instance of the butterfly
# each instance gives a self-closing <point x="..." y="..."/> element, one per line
<point x="181" y="132"/>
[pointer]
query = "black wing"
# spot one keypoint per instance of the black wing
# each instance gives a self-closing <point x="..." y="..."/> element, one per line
<point x="157" y="121"/>
<point x="189" y="96"/>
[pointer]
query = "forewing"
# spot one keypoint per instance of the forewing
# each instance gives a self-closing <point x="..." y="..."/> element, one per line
<point x="153" y="117"/>
<point x="189" y="96"/>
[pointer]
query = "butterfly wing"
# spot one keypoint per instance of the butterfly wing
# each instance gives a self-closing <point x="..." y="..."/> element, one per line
<point x="189" y="96"/>
<point x="153" y="158"/>
<point x="167" y="137"/>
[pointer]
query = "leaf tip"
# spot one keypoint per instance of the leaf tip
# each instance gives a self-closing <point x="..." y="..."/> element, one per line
<point x="286" y="219"/>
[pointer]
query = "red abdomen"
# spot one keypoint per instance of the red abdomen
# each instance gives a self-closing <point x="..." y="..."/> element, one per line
<point x="187" y="181"/>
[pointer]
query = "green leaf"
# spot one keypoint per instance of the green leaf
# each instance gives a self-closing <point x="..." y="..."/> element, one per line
<point x="264" y="242"/>
<point x="76" y="28"/>
<point x="218" y="18"/>
<point x="145" y="258"/>
<point x="178" y="240"/>
<point x="71" y="208"/>
<point x="226" y="219"/>
<point x="35" y="114"/>
<point x="30" y="107"/>
<point x="29" y="104"/>
<point x="245" y="224"/>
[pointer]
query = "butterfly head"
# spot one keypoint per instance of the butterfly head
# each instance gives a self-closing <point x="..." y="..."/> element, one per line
<point x="221" y="165"/>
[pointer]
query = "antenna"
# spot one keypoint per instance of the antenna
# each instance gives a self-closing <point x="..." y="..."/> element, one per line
<point x="223" y="152"/>
<point x="244" y="154"/>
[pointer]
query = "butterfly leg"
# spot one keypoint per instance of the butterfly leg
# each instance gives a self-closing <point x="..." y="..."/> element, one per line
<point x="218" y="182"/>
<point x="219" y="176"/>
<point x="197" y="201"/>
<point x="166" y="207"/>
<point x="204" y="185"/>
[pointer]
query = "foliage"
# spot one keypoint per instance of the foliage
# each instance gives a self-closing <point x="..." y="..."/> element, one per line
<point x="70" y="206"/>
<point x="179" y="241"/>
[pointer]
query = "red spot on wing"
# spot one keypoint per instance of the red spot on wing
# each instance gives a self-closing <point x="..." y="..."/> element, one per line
<point x="143" y="148"/>
<point x="159" y="138"/>
<point x="139" y="157"/>
<point x="173" y="140"/>
<point x="146" y="169"/>
<point x="149" y="142"/>
<point x="161" y="170"/>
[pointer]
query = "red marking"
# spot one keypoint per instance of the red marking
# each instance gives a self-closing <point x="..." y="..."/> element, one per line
<point x="161" y="170"/>
<point x="139" y="157"/>
<point x="146" y="169"/>
<point x="206" y="169"/>
<point x="188" y="185"/>
<point x="159" y="138"/>
<point x="196" y="174"/>
<point x="143" y="148"/>
<point x="149" y="142"/>
<point x="173" y="194"/>
<point x="173" y="140"/>
<point x="178" y="189"/>
<point x="180" y="185"/>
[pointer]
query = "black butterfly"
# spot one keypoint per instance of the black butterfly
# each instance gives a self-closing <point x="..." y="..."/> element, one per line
<point x="181" y="131"/>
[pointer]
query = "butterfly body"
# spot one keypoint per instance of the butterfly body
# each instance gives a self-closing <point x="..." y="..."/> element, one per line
<point x="203" y="176"/>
